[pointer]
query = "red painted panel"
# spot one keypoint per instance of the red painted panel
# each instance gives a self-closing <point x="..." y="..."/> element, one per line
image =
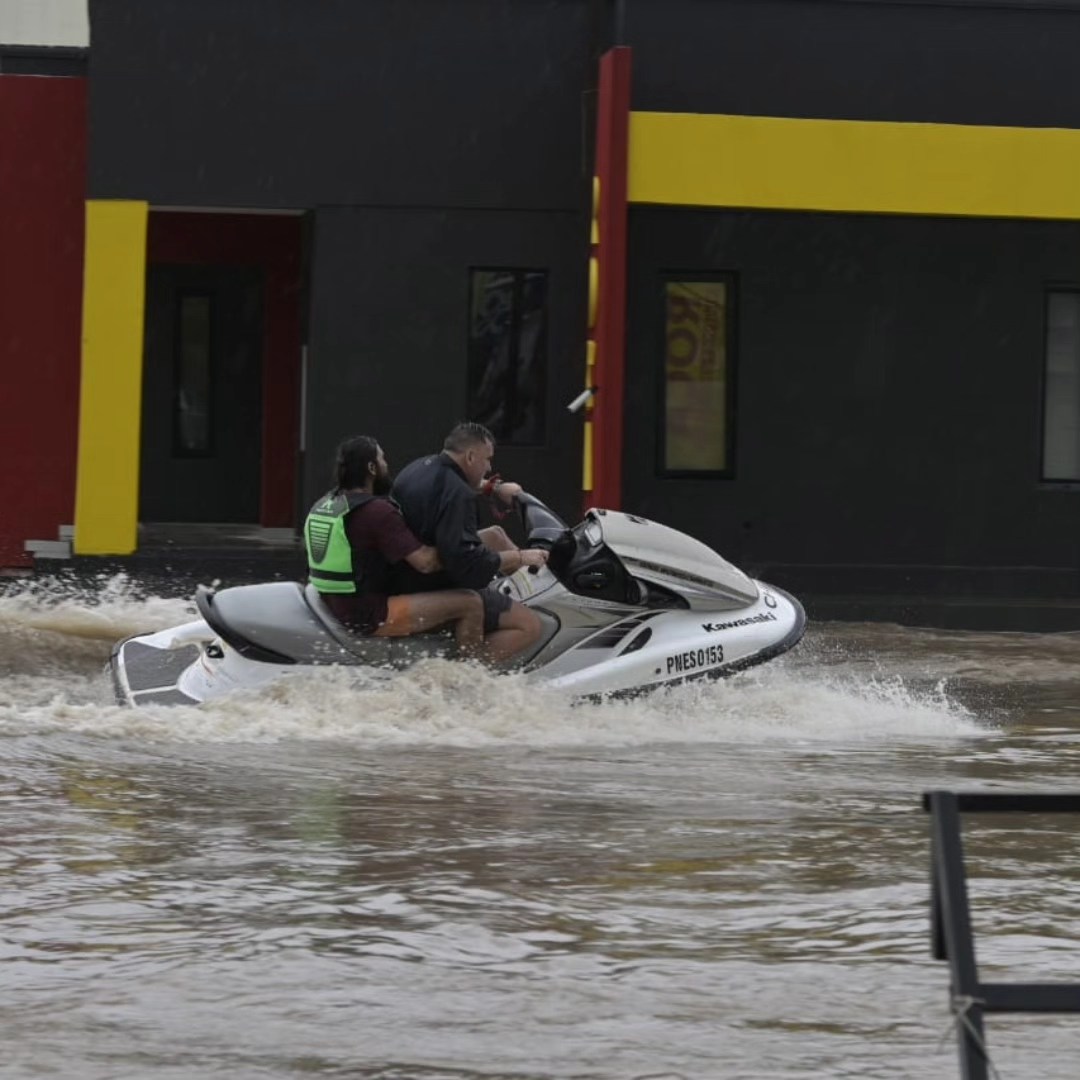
<point x="274" y="243"/>
<point x="42" y="193"/>
<point x="612" y="138"/>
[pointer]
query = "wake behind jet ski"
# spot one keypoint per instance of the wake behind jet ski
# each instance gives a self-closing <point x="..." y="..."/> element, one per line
<point x="627" y="605"/>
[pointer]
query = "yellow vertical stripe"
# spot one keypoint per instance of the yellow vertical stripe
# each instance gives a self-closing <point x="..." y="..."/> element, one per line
<point x="590" y="372"/>
<point x="110" y="396"/>
<point x="594" y="290"/>
<point x="587" y="459"/>
<point x="769" y="162"/>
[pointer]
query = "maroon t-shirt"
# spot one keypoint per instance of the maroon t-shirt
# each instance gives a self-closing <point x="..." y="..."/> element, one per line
<point x="379" y="538"/>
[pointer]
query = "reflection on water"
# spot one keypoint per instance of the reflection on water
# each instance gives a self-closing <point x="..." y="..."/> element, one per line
<point x="454" y="875"/>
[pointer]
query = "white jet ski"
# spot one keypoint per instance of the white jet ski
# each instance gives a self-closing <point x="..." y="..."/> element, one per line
<point x="627" y="605"/>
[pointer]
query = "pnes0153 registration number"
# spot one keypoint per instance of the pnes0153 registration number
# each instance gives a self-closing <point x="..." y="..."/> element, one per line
<point x="695" y="659"/>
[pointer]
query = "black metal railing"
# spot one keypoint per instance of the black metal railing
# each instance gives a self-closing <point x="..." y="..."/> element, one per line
<point x="950" y="924"/>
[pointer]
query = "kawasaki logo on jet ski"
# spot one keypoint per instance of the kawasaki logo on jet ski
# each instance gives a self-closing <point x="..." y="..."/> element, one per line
<point x="712" y="627"/>
<point x="710" y="656"/>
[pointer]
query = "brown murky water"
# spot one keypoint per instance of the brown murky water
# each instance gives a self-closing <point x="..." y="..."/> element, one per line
<point x="454" y="876"/>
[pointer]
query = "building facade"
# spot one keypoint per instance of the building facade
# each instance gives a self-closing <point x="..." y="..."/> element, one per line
<point x="818" y="258"/>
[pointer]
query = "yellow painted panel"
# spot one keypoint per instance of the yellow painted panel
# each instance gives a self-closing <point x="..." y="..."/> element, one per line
<point x="590" y="373"/>
<point x="594" y="228"/>
<point x="690" y="159"/>
<point x="594" y="290"/>
<point x="110" y="397"/>
<point x="587" y="459"/>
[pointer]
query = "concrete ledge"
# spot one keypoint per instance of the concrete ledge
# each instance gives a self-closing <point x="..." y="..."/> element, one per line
<point x="48" y="549"/>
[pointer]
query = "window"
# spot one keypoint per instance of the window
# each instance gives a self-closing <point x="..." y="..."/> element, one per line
<point x="191" y="389"/>
<point x="507" y="381"/>
<point x="698" y="400"/>
<point x="1061" y="401"/>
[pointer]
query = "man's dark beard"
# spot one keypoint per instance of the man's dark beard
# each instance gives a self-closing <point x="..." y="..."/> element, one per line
<point x="382" y="483"/>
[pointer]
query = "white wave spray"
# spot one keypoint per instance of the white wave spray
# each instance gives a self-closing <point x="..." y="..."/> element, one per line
<point x="54" y="645"/>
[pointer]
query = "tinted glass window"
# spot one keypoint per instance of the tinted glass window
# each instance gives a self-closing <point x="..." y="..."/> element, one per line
<point x="192" y="397"/>
<point x="508" y="353"/>
<point x="1061" y="394"/>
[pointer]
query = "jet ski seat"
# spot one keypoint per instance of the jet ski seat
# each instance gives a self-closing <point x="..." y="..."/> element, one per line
<point x="377" y="650"/>
<point x="284" y="622"/>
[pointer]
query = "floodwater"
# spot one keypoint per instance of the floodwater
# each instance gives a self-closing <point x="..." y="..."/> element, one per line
<point x="453" y="876"/>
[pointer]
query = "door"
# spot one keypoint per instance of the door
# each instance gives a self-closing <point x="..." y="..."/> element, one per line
<point x="202" y="395"/>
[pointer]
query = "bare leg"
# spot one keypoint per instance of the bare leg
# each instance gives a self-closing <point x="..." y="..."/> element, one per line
<point x="417" y="612"/>
<point x="519" y="629"/>
<point x="495" y="539"/>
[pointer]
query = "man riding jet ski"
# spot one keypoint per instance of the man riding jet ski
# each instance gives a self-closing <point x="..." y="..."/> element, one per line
<point x="356" y="537"/>
<point x="437" y="495"/>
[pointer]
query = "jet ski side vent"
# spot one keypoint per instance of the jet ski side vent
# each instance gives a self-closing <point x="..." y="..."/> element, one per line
<point x="618" y="632"/>
<point x="638" y="642"/>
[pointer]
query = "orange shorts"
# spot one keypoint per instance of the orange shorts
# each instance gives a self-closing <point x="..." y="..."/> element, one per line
<point x="399" y="618"/>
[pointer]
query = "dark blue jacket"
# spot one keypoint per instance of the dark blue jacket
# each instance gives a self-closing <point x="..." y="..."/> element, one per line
<point x="440" y="508"/>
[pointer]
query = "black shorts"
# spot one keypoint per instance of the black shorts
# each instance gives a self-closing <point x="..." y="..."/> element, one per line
<point x="495" y="603"/>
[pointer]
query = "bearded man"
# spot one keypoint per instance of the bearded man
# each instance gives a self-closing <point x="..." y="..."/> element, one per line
<point x="355" y="534"/>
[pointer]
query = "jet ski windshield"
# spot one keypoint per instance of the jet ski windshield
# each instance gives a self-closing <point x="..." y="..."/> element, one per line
<point x="543" y="527"/>
<point x="578" y="557"/>
<point x="626" y="559"/>
<point x="659" y="556"/>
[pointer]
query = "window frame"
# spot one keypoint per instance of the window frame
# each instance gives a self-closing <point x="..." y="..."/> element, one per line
<point x="729" y="278"/>
<point x="519" y="275"/>
<point x="1050" y="484"/>
<point x="178" y="449"/>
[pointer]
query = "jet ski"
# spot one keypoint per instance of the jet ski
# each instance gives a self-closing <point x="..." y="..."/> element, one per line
<point x="627" y="605"/>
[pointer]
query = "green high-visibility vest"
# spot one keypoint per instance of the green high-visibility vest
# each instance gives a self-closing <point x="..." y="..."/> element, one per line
<point x="329" y="553"/>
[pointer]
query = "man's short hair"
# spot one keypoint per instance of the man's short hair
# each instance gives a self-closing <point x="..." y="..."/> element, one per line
<point x="465" y="436"/>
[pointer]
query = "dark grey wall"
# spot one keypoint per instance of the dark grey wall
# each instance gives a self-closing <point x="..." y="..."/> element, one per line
<point x="298" y="103"/>
<point x="950" y="62"/>
<point x="389" y="325"/>
<point x="889" y="380"/>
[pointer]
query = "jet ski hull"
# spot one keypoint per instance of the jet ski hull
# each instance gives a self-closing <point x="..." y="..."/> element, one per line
<point x="631" y="654"/>
<point x="625" y="605"/>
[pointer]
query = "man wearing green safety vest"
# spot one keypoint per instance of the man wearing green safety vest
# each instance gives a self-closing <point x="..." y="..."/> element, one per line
<point x="354" y="535"/>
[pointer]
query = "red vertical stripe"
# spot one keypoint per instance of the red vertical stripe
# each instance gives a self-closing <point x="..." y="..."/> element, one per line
<point x="42" y="217"/>
<point x="612" y="135"/>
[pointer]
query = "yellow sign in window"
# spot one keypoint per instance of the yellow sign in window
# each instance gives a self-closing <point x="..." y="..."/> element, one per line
<point x="696" y="376"/>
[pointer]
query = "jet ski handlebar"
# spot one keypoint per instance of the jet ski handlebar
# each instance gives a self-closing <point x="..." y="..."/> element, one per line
<point x="543" y="527"/>
<point x="582" y="562"/>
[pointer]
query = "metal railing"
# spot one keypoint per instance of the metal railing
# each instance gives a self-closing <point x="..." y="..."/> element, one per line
<point x="951" y="935"/>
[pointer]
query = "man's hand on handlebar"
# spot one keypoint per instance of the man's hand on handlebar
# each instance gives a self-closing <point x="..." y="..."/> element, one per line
<point x="533" y="557"/>
<point x="506" y="490"/>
